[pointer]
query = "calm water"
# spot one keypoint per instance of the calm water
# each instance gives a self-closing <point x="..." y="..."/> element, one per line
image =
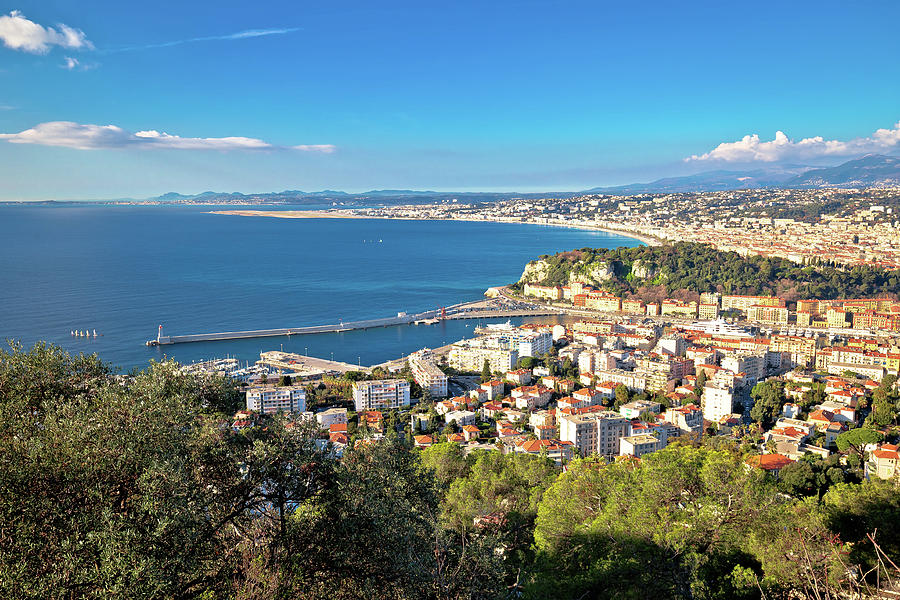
<point x="124" y="270"/>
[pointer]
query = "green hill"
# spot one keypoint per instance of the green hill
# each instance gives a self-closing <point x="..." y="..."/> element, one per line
<point x="687" y="269"/>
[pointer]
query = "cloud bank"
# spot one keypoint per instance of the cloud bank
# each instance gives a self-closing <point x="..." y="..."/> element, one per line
<point x="67" y="134"/>
<point x="751" y="149"/>
<point x="19" y="33"/>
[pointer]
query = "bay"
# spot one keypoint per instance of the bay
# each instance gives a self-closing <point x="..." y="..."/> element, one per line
<point x="125" y="269"/>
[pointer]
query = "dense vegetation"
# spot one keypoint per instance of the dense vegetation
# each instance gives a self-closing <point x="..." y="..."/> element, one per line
<point x="138" y="487"/>
<point x="686" y="269"/>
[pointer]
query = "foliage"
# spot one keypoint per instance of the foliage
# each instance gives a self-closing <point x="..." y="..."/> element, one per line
<point x="769" y="398"/>
<point x="697" y="268"/>
<point x="139" y="487"/>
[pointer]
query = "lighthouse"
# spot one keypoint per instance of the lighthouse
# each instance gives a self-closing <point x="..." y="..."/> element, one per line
<point x="159" y="335"/>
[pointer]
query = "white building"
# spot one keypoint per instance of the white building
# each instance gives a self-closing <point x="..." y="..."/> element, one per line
<point x="427" y="374"/>
<point x="633" y="409"/>
<point x="380" y="394"/>
<point x="270" y="399"/>
<point x="639" y="445"/>
<point x="461" y="417"/>
<point x="469" y="355"/>
<point x="717" y="402"/>
<point x="332" y="416"/>
<point x="753" y="366"/>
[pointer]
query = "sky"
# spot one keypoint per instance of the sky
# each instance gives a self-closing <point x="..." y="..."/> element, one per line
<point x="133" y="99"/>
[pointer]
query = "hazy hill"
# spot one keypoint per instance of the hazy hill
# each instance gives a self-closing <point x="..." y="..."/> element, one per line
<point x="873" y="170"/>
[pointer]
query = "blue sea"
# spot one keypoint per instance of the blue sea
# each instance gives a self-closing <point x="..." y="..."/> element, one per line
<point x="125" y="270"/>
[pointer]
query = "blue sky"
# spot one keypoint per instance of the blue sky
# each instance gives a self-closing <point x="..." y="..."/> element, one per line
<point x="432" y="95"/>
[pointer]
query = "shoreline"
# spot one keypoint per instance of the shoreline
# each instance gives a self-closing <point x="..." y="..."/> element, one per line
<point x="644" y="238"/>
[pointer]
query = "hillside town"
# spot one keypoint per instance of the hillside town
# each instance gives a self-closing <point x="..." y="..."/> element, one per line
<point x="622" y="386"/>
<point x="849" y="227"/>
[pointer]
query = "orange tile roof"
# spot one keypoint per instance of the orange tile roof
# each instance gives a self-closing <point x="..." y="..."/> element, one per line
<point x="769" y="462"/>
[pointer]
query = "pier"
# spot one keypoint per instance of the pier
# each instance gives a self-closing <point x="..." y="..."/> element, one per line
<point x="481" y="309"/>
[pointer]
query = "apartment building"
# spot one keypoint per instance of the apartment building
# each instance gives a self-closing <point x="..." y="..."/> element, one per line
<point x="469" y="355"/>
<point x="427" y="374"/>
<point x="595" y="432"/>
<point x="639" y="445"/>
<point x="270" y="399"/>
<point x="717" y="402"/>
<point x="380" y="394"/>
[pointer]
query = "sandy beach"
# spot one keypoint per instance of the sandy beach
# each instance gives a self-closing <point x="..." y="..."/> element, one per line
<point x="343" y="214"/>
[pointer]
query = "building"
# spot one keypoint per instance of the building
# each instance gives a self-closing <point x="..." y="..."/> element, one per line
<point x="427" y="374"/>
<point x="380" y="394"/>
<point x="688" y="419"/>
<point x="717" y="402"/>
<point x="753" y="366"/>
<point x="470" y="355"/>
<point x="770" y="463"/>
<point x="884" y="462"/>
<point x="745" y="303"/>
<point x="802" y="350"/>
<point x="603" y="301"/>
<point x="332" y="416"/>
<point x="679" y="308"/>
<point x="519" y="377"/>
<point x="556" y="450"/>
<point x="460" y="417"/>
<point x="634" y="381"/>
<point x="775" y="315"/>
<point x="634" y="409"/>
<point x="493" y="389"/>
<point x="708" y="311"/>
<point x="270" y="399"/>
<point x="543" y="291"/>
<point x="595" y="432"/>
<point x="639" y="445"/>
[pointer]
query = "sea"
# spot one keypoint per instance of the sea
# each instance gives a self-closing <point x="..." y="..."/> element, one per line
<point x="123" y="270"/>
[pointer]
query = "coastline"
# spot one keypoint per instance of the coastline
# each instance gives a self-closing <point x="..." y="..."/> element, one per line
<point x="341" y="214"/>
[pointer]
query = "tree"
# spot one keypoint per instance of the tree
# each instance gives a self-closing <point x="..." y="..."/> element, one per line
<point x="685" y="510"/>
<point x="622" y="395"/>
<point x="447" y="462"/>
<point x="284" y="381"/>
<point x="144" y="477"/>
<point x="486" y="371"/>
<point x="701" y="378"/>
<point x="768" y="400"/>
<point x="856" y="441"/>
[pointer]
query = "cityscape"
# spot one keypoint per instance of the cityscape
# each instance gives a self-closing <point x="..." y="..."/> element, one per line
<point x="461" y="301"/>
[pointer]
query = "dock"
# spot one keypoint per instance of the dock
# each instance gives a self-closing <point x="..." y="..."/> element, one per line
<point x="481" y="309"/>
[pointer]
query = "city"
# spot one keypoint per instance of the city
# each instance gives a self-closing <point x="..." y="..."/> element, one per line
<point x="398" y="300"/>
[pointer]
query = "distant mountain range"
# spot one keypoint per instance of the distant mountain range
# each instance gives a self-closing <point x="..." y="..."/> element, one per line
<point x="873" y="170"/>
<point x="331" y="196"/>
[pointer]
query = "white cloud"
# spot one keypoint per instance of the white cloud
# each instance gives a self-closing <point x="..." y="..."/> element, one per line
<point x="751" y="149"/>
<point x="70" y="63"/>
<point x="323" y="148"/>
<point x="67" y="134"/>
<point x="18" y="33"/>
